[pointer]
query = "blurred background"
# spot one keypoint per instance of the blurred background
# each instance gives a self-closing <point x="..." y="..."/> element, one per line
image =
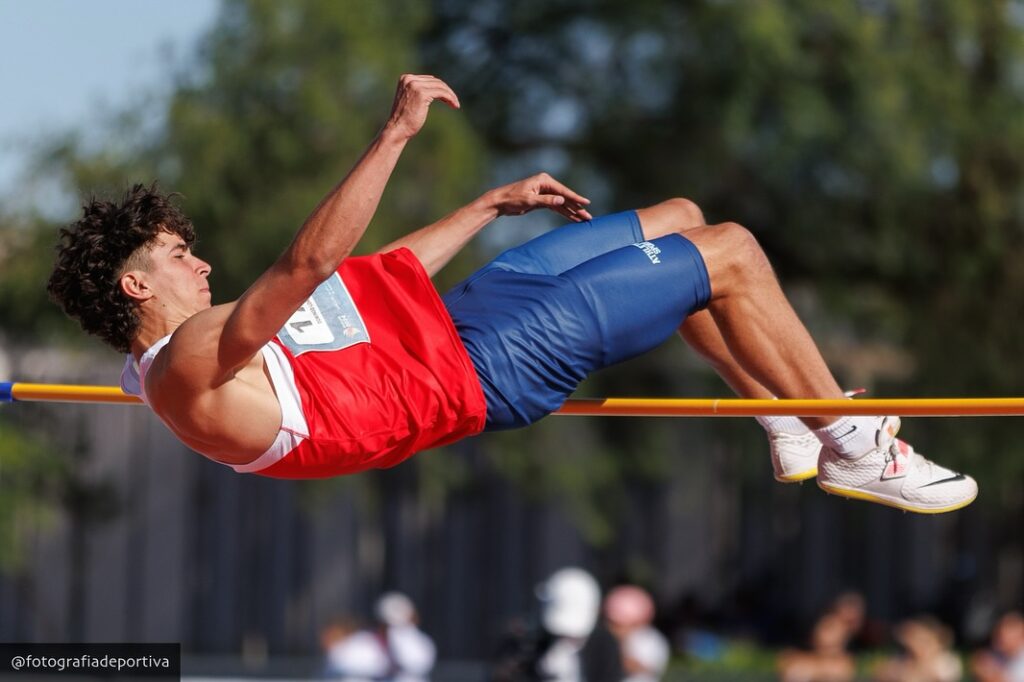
<point x="876" y="149"/>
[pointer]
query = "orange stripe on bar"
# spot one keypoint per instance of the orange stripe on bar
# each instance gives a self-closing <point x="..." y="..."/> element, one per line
<point x="647" y="407"/>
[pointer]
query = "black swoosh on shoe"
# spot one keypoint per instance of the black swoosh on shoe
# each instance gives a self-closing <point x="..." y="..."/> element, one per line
<point x="958" y="477"/>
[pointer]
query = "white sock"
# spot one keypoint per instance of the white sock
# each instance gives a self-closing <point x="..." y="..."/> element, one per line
<point x="792" y="425"/>
<point x="850" y="436"/>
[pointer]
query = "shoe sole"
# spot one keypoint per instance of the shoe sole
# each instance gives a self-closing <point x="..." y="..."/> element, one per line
<point x="798" y="477"/>
<point x="890" y="502"/>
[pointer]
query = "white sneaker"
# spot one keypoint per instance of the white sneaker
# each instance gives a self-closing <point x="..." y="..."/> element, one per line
<point x="894" y="475"/>
<point x="794" y="456"/>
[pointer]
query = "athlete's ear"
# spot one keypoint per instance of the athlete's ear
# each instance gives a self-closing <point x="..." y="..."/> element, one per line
<point x="133" y="284"/>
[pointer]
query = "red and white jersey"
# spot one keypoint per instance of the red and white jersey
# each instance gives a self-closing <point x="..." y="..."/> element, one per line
<point x="369" y="371"/>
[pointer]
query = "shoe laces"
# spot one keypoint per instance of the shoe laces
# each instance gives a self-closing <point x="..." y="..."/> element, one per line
<point x="914" y="460"/>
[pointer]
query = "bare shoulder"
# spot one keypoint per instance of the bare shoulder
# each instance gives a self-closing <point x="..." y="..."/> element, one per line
<point x="189" y="361"/>
<point x="230" y="417"/>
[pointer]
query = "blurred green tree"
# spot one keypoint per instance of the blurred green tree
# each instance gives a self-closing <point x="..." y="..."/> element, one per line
<point x="32" y="477"/>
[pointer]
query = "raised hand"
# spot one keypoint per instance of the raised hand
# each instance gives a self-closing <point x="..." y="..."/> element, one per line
<point x="540" y="191"/>
<point x="412" y="102"/>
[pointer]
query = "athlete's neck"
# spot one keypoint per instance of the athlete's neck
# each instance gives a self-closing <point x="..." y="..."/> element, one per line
<point x="152" y="330"/>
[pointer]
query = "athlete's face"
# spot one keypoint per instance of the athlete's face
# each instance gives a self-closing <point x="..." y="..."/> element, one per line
<point x="171" y="281"/>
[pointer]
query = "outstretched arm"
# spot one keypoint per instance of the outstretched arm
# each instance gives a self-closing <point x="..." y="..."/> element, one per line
<point x="436" y="244"/>
<point x="331" y="232"/>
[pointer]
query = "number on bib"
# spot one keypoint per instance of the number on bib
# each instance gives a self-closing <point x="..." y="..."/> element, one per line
<point x="327" y="321"/>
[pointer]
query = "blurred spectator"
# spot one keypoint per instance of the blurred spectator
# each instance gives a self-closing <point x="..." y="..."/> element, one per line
<point x="567" y="643"/>
<point x="582" y="650"/>
<point x="863" y="633"/>
<point x="629" y="611"/>
<point x="827" y="660"/>
<point x="927" y="656"/>
<point x="353" y="654"/>
<point x="410" y="651"/>
<point x="1004" y="662"/>
<point x="850" y="609"/>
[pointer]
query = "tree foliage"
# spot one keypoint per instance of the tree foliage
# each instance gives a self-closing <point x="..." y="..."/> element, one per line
<point x="31" y="476"/>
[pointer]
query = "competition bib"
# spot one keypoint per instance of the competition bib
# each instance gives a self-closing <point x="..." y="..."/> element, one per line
<point x="328" y="320"/>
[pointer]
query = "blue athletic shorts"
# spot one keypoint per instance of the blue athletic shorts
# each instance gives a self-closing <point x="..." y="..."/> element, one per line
<point x="542" y="316"/>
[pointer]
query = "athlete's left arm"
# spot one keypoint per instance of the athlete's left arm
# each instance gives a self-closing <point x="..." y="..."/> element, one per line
<point x="436" y="244"/>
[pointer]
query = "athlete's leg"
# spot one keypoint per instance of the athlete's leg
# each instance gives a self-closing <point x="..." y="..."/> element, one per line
<point x="793" y="448"/>
<point x="749" y="320"/>
<point x="669" y="217"/>
<point x="700" y="330"/>
<point x="861" y="457"/>
<point x="759" y="327"/>
<point x="533" y="337"/>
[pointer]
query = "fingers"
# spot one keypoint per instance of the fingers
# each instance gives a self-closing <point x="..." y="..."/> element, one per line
<point x="580" y="213"/>
<point x="573" y="213"/>
<point x="550" y="200"/>
<point x="574" y="204"/>
<point x="565" y="207"/>
<point x="439" y="92"/>
<point x="413" y="97"/>
<point x="577" y="215"/>
<point x="550" y="184"/>
<point x="430" y="86"/>
<point x="571" y="204"/>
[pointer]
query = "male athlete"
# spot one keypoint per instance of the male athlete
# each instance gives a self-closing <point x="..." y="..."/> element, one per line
<point x="331" y="364"/>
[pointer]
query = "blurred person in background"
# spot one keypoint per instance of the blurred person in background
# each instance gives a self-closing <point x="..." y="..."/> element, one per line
<point x="1004" y="662"/>
<point x="629" y="612"/>
<point x="850" y="609"/>
<point x="863" y="632"/>
<point x="582" y="649"/>
<point x="411" y="652"/>
<point x="826" y="661"/>
<point x="351" y="653"/>
<point x="567" y="643"/>
<point x="927" y="656"/>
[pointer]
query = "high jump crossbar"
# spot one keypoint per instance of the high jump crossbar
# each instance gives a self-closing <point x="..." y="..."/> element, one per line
<point x="630" y="407"/>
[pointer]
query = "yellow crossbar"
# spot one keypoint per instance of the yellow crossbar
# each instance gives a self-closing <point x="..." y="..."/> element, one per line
<point x="633" y="407"/>
<point x="738" y="407"/>
<point x="63" y="393"/>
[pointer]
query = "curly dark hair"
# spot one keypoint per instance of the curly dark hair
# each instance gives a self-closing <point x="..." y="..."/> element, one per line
<point x="95" y="251"/>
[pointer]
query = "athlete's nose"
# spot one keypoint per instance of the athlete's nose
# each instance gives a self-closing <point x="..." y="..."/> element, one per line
<point x="204" y="268"/>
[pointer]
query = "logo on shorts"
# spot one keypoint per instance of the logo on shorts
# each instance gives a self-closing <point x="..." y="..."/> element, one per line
<point x="651" y="250"/>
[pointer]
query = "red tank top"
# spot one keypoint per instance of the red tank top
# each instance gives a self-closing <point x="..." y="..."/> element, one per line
<point x="380" y="370"/>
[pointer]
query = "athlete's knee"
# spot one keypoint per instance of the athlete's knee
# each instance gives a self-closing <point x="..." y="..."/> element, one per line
<point x="672" y="216"/>
<point x="743" y="251"/>
<point x="685" y="212"/>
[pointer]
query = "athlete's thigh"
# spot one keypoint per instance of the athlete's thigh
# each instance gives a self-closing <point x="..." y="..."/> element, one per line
<point x="641" y="293"/>
<point x="554" y="252"/>
<point x="533" y="337"/>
